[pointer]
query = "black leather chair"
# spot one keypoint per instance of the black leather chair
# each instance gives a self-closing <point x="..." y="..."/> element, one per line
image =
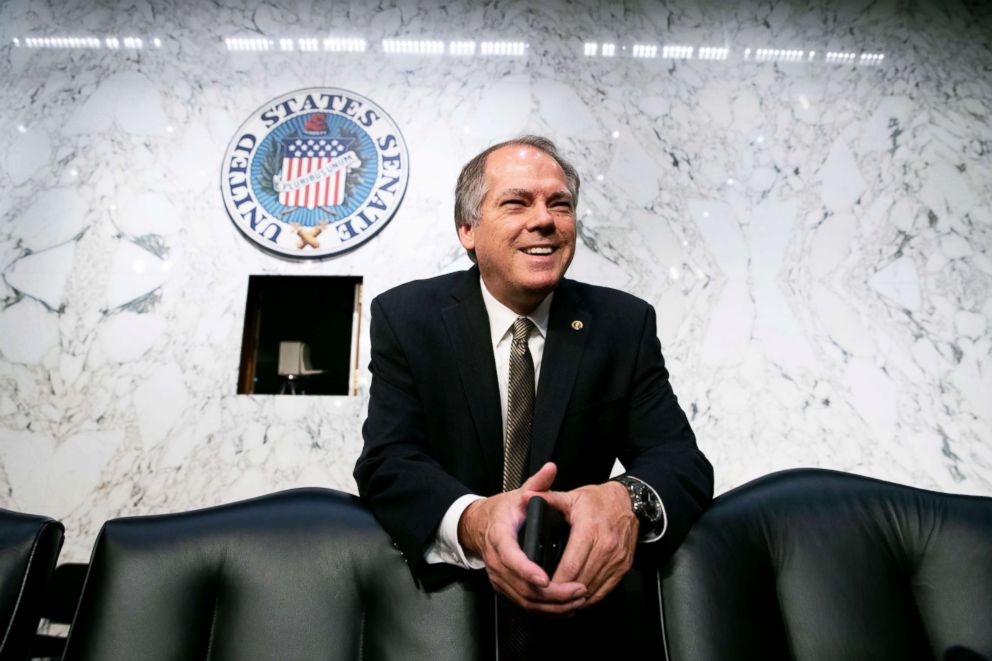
<point x="301" y="575"/>
<point x="29" y="547"/>
<point x="817" y="565"/>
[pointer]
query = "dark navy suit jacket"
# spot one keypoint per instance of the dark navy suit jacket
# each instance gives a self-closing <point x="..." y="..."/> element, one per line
<point x="434" y="427"/>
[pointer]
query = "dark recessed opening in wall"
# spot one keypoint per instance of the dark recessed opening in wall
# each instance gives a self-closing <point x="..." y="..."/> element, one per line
<point x="301" y="335"/>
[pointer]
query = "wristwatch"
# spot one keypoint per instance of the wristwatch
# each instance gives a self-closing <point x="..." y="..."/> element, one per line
<point x="644" y="502"/>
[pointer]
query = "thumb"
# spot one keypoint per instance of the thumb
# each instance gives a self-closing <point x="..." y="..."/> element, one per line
<point x="561" y="501"/>
<point x="542" y="479"/>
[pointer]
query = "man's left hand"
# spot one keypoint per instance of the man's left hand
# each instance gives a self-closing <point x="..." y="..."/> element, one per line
<point x="601" y="544"/>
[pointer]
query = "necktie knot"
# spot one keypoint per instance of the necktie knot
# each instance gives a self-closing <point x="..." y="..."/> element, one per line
<point x="521" y="329"/>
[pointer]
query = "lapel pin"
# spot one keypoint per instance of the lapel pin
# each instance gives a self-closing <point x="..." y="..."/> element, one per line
<point x="576" y="325"/>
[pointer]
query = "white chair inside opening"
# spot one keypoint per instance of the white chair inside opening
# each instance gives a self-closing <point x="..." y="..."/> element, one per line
<point x="294" y="364"/>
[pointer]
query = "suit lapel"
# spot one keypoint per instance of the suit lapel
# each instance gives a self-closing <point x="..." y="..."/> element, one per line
<point x="563" y="349"/>
<point x="467" y="325"/>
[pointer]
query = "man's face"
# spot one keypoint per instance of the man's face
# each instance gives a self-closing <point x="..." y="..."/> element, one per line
<point x="525" y="238"/>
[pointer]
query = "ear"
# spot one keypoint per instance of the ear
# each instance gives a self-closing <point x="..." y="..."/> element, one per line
<point x="466" y="234"/>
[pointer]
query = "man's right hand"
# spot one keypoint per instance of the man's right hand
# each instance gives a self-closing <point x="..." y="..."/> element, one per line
<point x="488" y="528"/>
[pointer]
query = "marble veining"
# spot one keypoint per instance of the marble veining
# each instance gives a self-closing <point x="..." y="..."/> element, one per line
<point x="814" y="233"/>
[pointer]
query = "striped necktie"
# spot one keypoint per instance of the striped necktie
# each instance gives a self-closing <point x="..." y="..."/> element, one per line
<point x="516" y="634"/>
<point x="519" y="407"/>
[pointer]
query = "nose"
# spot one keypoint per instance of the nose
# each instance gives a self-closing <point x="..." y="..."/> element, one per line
<point x="541" y="220"/>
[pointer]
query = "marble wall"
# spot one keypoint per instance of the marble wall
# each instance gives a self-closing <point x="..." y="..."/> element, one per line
<point x="810" y="210"/>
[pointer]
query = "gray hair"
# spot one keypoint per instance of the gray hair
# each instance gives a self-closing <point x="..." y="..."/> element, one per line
<point x="471" y="187"/>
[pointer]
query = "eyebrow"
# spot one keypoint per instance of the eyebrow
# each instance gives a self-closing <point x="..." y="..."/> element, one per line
<point x="525" y="193"/>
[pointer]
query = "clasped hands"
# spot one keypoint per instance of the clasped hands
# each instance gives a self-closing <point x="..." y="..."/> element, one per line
<point x="599" y="552"/>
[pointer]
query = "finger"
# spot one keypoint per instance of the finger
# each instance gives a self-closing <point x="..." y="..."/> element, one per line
<point x="504" y="549"/>
<point x="613" y="557"/>
<point x="542" y="479"/>
<point x="576" y="556"/>
<point x="561" y="501"/>
<point x="554" y="594"/>
<point x="543" y="602"/>
<point x="531" y="583"/>
<point x="612" y="572"/>
<point x="556" y="609"/>
<point x="606" y="573"/>
<point x="576" y="549"/>
<point x="550" y="608"/>
<point x="523" y="590"/>
<point x="514" y="560"/>
<point x="605" y="588"/>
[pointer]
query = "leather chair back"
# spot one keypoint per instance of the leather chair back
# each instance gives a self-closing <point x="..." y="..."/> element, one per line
<point x="300" y="575"/>
<point x="819" y="565"/>
<point x="29" y="547"/>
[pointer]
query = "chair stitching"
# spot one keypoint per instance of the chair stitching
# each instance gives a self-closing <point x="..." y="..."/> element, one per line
<point x="361" y="635"/>
<point x="213" y="626"/>
<point x="661" y="613"/>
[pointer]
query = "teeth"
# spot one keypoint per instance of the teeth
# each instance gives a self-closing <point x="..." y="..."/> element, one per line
<point x="538" y="251"/>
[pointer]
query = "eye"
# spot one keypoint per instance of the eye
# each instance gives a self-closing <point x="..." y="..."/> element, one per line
<point x="513" y="202"/>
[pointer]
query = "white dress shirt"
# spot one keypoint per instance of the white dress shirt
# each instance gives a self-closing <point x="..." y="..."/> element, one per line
<point x="446" y="547"/>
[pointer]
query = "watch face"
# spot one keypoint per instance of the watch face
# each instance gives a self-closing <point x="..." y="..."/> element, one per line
<point x="643" y="506"/>
<point x="651" y="511"/>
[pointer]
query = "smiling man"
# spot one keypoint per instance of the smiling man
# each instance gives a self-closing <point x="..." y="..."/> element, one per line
<point x="508" y="380"/>
<point x="523" y="236"/>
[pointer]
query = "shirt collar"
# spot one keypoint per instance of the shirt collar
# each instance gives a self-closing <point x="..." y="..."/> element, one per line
<point x="501" y="318"/>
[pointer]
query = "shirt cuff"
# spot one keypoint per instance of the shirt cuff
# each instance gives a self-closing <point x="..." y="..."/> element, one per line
<point x="445" y="547"/>
<point x="656" y="533"/>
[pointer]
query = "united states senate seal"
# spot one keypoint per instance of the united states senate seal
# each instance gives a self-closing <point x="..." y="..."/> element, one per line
<point x="315" y="172"/>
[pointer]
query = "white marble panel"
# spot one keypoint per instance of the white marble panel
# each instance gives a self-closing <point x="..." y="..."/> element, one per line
<point x="159" y="401"/>
<point x="898" y="283"/>
<point x="43" y="275"/>
<point x="135" y="273"/>
<point x="28" y="153"/>
<point x="843" y="184"/>
<point x="128" y="335"/>
<point x="57" y="478"/>
<point x="142" y="213"/>
<point x="127" y="102"/>
<point x="53" y="216"/>
<point x="27" y="332"/>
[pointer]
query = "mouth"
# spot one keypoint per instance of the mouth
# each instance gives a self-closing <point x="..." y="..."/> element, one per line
<point x="539" y="250"/>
